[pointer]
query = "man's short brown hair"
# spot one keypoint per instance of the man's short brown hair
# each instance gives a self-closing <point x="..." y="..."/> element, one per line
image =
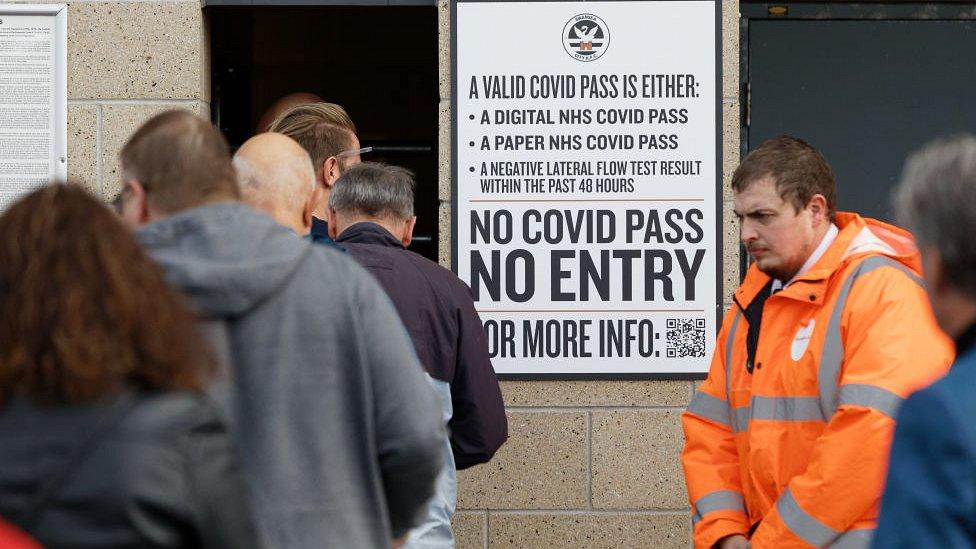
<point x="322" y="129"/>
<point x="800" y="172"/>
<point x="181" y="160"/>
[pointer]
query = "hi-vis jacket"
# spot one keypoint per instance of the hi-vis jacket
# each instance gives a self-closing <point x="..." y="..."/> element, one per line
<point x="797" y="447"/>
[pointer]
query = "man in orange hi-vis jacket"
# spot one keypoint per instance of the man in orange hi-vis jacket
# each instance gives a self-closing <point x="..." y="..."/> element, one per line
<point x="787" y="440"/>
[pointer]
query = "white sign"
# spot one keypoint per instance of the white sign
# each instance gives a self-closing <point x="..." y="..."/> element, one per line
<point x="33" y="98"/>
<point x="586" y="147"/>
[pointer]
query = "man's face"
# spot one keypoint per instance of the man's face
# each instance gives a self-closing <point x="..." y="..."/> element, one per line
<point x="778" y="238"/>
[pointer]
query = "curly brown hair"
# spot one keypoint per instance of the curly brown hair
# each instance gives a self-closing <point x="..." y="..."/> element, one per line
<point x="84" y="312"/>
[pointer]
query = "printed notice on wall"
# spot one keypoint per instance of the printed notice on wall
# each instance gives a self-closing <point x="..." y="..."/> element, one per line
<point x="32" y="98"/>
<point x="586" y="173"/>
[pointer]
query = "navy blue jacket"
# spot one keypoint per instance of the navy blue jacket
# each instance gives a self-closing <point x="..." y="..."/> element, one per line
<point x="319" y="234"/>
<point x="930" y="498"/>
<point x="438" y="311"/>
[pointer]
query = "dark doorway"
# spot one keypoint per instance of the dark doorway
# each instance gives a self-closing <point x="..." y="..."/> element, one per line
<point x="379" y="62"/>
<point x="864" y="83"/>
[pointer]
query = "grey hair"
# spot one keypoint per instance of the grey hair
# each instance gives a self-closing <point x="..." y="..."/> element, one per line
<point x="375" y="190"/>
<point x="936" y="200"/>
<point x="283" y="187"/>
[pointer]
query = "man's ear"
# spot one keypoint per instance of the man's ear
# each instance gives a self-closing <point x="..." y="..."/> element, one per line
<point x="408" y="226"/>
<point x="330" y="171"/>
<point x="135" y="204"/>
<point x="333" y="220"/>
<point x="818" y="209"/>
<point x="307" y="210"/>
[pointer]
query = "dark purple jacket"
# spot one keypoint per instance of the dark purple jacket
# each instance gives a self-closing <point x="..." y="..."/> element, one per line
<point x="438" y="311"/>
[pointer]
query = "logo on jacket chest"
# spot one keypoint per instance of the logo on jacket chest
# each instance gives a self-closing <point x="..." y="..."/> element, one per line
<point x="802" y="340"/>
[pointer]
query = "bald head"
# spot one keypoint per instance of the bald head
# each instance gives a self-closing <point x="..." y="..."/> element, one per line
<point x="283" y="104"/>
<point x="275" y="176"/>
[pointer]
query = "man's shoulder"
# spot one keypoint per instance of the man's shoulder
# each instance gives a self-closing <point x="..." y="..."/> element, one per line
<point x="876" y="270"/>
<point x="439" y="273"/>
<point x="402" y="258"/>
<point x="332" y="271"/>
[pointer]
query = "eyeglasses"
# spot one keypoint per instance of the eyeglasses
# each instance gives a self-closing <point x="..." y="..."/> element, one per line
<point x="354" y="152"/>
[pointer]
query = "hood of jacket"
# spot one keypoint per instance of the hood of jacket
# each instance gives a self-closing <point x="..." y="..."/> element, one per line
<point x="858" y="237"/>
<point x="225" y="257"/>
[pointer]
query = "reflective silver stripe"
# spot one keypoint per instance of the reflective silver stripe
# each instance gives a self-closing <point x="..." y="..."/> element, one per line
<point x="740" y="419"/>
<point x="832" y="355"/>
<point x="737" y="425"/>
<point x="776" y="408"/>
<point x="786" y="408"/>
<point x="802" y="524"/>
<point x="870" y="396"/>
<point x="709" y="407"/>
<point x="854" y="539"/>
<point x="719" y="500"/>
<point x="729" y="339"/>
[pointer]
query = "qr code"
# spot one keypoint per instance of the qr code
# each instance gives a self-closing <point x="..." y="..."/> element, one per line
<point x="685" y="337"/>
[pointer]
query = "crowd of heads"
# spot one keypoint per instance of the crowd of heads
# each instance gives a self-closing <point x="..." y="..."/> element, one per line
<point x="178" y="160"/>
<point x="94" y="313"/>
<point x="92" y="290"/>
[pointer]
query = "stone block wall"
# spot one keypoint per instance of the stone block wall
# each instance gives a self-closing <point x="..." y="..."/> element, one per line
<point x="126" y="62"/>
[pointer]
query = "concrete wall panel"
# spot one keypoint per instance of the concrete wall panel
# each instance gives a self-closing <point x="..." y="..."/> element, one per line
<point x="592" y="531"/>
<point x="596" y="393"/>
<point x="469" y="529"/>
<point x="135" y="50"/>
<point x="635" y="460"/>
<point x="542" y="466"/>
<point x="83" y="146"/>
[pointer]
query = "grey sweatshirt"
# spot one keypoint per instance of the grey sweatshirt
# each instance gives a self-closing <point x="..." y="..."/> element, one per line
<point x="339" y="430"/>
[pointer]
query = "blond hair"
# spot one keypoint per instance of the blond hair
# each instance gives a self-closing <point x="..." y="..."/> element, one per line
<point x="322" y="129"/>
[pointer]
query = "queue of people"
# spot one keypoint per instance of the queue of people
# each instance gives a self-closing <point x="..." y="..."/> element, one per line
<point x="246" y="354"/>
<point x="198" y="372"/>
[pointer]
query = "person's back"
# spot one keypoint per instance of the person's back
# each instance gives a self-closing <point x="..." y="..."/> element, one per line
<point x="368" y="204"/>
<point x="159" y="467"/>
<point x="339" y="432"/>
<point x="930" y="495"/>
<point x="106" y="436"/>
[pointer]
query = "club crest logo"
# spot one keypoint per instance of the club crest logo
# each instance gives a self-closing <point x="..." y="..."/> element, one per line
<point x="586" y="37"/>
<point x="802" y="340"/>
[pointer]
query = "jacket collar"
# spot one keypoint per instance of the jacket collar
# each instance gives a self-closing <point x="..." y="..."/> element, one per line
<point x="319" y="229"/>
<point x="857" y="238"/>
<point x="366" y="232"/>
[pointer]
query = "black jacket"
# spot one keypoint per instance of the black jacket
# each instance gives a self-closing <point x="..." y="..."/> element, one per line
<point x="161" y="473"/>
<point x="438" y="311"/>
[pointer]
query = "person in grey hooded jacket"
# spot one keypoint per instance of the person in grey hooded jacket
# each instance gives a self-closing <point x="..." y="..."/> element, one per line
<point x="339" y="432"/>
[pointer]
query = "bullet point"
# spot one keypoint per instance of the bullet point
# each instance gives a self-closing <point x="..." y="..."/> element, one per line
<point x="471" y="117"/>
<point x="471" y="169"/>
<point x="471" y="143"/>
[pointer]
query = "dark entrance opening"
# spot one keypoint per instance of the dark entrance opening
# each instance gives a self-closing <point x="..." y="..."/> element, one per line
<point x="379" y="62"/>
<point x="864" y="83"/>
